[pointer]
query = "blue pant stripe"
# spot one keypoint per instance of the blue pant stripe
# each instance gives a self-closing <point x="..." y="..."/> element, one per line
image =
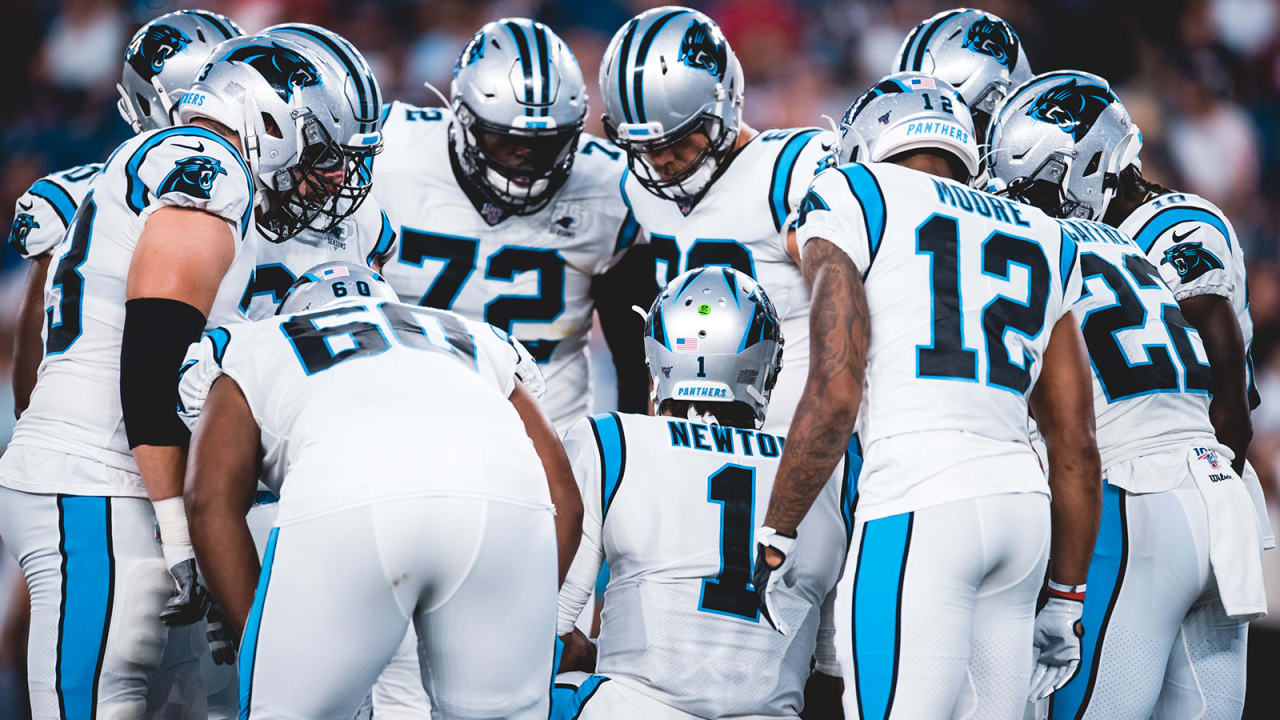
<point x="1106" y="575"/>
<point x="877" y="606"/>
<point x="249" y="644"/>
<point x="567" y="701"/>
<point x="88" y="577"/>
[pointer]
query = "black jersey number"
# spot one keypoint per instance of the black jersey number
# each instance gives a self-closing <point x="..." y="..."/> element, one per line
<point x="320" y="348"/>
<point x="63" y="321"/>
<point x="733" y="488"/>
<point x="703" y="252"/>
<point x="947" y="356"/>
<point x="1119" y="378"/>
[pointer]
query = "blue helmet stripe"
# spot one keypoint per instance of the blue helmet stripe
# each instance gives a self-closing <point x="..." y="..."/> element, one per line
<point x="544" y="62"/>
<point x="687" y="282"/>
<point x="642" y="52"/>
<point x="927" y="35"/>
<point x="783" y="168"/>
<point x="906" y="49"/>
<point x="366" y="96"/>
<point x="214" y="20"/>
<point x="732" y="282"/>
<point x="57" y="197"/>
<point x="1167" y="218"/>
<point x="623" y="51"/>
<point x="526" y="65"/>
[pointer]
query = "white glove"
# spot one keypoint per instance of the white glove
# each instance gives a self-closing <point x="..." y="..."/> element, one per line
<point x="766" y="579"/>
<point x="527" y="371"/>
<point x="1057" y="637"/>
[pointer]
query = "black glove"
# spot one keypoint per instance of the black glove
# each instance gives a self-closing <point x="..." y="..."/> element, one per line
<point x="222" y="642"/>
<point x="191" y="602"/>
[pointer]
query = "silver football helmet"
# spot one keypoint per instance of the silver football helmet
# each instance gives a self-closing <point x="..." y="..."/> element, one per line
<point x="713" y="336"/>
<point x="334" y="283"/>
<point x="357" y="120"/>
<point x="976" y="52"/>
<point x="667" y="74"/>
<point x="162" y="61"/>
<point x="285" y="104"/>
<point x="908" y="111"/>
<point x="1060" y="141"/>
<point x="519" y="104"/>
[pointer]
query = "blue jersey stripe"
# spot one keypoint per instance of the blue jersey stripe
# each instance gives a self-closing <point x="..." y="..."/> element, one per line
<point x="54" y="194"/>
<point x="877" y="604"/>
<point x="1067" y="259"/>
<point x="1106" y="575"/>
<point x="627" y="232"/>
<point x="568" y="701"/>
<point x="783" y="168"/>
<point x="220" y="337"/>
<point x="1168" y="217"/>
<point x="623" y="52"/>
<point x="88" y="578"/>
<point x="385" y="237"/>
<point x="613" y="456"/>
<point x="136" y="190"/>
<point x="849" y="490"/>
<point x="249" y="644"/>
<point x="866" y="189"/>
<point x="642" y="53"/>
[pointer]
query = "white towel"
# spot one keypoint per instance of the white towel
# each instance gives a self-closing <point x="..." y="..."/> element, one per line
<point x="1254" y="487"/>
<point x="1235" y="550"/>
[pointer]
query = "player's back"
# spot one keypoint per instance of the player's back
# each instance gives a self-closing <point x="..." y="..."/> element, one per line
<point x="43" y="213"/>
<point x="75" y="407"/>
<point x="680" y="502"/>
<point x="361" y="402"/>
<point x="1150" y="371"/>
<point x="964" y="289"/>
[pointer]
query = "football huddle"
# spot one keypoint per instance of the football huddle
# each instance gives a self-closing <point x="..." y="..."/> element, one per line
<point x="918" y="413"/>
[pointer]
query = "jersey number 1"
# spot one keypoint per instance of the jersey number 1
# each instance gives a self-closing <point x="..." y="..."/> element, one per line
<point x="733" y="488"/>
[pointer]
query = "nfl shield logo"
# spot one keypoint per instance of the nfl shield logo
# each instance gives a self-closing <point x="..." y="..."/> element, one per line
<point x="492" y="213"/>
<point x="1210" y="457"/>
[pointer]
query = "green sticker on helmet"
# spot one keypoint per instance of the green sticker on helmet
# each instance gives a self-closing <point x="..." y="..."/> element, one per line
<point x="704" y="309"/>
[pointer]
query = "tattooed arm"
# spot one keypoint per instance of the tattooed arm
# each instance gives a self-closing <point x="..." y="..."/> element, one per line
<point x="839" y="330"/>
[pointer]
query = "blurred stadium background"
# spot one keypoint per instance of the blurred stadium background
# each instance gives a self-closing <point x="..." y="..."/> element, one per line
<point x="1201" y="78"/>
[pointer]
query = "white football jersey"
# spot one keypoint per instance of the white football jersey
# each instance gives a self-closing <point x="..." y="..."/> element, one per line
<point x="964" y="289"/>
<point x="1197" y="252"/>
<point x="43" y="213"/>
<point x="75" y="411"/>
<point x="354" y="399"/>
<point x="1150" y="371"/>
<point x="673" y="506"/>
<point x="742" y="222"/>
<point x="527" y="274"/>
<point x="366" y="237"/>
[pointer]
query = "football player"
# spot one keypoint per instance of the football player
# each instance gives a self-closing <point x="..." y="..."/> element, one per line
<point x="161" y="60"/>
<point x="1175" y="577"/>
<point x="976" y="52"/>
<point x="508" y="213"/>
<point x="158" y="248"/>
<point x="955" y="306"/>
<point x="443" y="461"/>
<point x="671" y="504"/>
<point x="363" y="233"/>
<point x="706" y="187"/>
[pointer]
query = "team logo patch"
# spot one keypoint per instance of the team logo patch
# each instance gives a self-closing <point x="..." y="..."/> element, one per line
<point x="473" y="52"/>
<point x="1191" y="260"/>
<point x="151" y="47"/>
<point x="1073" y="107"/>
<point x="281" y="67"/>
<point x="994" y="38"/>
<point x="192" y="176"/>
<point x="812" y="201"/>
<point x="23" y="224"/>
<point x="703" y="48"/>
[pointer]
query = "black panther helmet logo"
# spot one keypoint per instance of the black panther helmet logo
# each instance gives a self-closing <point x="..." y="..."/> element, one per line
<point x="470" y="54"/>
<point x="1191" y="260"/>
<point x="192" y="176"/>
<point x="702" y="48"/>
<point x="23" y="224"/>
<point x="994" y="38"/>
<point x="152" y="46"/>
<point x="282" y="68"/>
<point x="1073" y="107"/>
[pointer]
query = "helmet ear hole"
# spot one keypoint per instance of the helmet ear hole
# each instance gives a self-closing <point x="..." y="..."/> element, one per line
<point x="1094" y="161"/>
<point x="269" y="124"/>
<point x="142" y="103"/>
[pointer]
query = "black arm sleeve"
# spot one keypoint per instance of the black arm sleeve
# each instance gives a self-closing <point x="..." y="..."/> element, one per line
<point x="630" y="282"/>
<point x="157" y="332"/>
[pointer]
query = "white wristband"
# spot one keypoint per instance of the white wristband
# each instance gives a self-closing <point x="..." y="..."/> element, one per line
<point x="175" y="539"/>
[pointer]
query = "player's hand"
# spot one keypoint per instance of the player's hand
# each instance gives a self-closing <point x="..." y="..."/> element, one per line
<point x="222" y="642"/>
<point x="191" y="601"/>
<point x="579" y="652"/>
<point x="772" y="551"/>
<point x="1057" y="637"/>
